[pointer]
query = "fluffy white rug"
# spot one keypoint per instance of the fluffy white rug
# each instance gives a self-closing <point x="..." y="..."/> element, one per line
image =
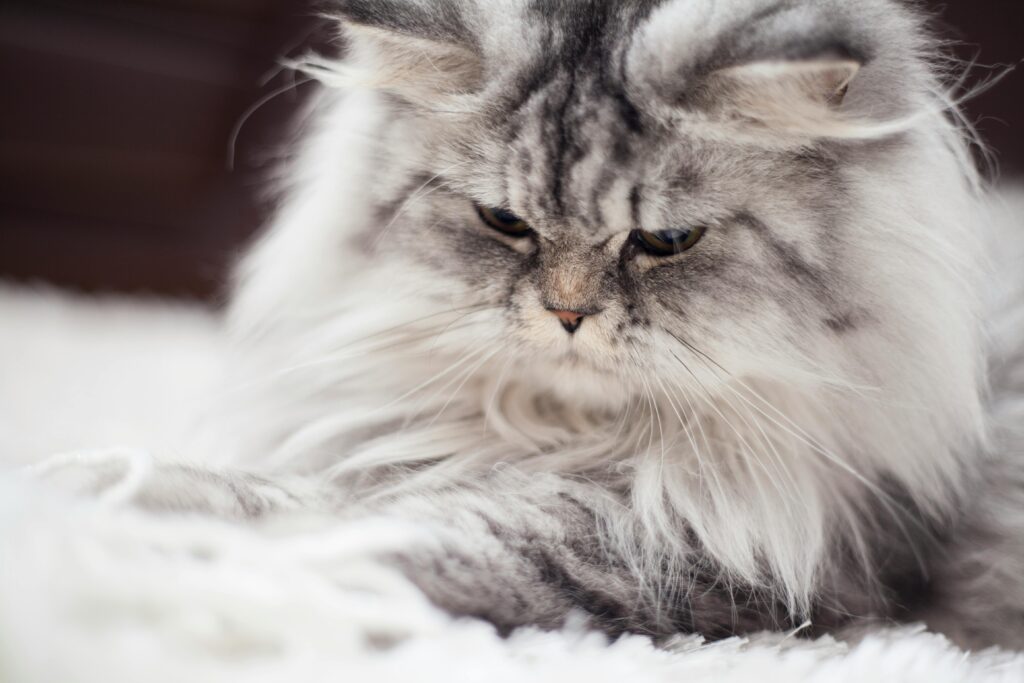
<point x="92" y="589"/>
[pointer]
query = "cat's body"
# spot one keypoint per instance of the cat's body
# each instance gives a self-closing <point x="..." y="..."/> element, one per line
<point x="780" y="423"/>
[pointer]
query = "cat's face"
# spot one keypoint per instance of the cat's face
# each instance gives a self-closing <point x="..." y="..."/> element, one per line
<point x="658" y="239"/>
<point x="610" y="230"/>
<point x="619" y="201"/>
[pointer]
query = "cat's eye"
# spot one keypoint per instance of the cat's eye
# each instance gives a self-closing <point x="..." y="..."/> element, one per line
<point x="504" y="221"/>
<point x="667" y="242"/>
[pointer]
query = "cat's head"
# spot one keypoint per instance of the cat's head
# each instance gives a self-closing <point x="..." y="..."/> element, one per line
<point x="670" y="188"/>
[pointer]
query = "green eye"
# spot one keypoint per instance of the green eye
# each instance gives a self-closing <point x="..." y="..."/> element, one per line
<point x="504" y="221"/>
<point x="667" y="242"/>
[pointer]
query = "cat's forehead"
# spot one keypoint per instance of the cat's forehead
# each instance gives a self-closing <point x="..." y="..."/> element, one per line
<point x="568" y="136"/>
<point x="599" y="119"/>
<point x="573" y="28"/>
<point x="576" y="156"/>
<point x="572" y="137"/>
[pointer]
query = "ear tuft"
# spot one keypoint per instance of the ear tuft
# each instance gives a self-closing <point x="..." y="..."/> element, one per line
<point x="783" y="94"/>
<point x="822" y="81"/>
<point x="418" y="69"/>
<point x="420" y="50"/>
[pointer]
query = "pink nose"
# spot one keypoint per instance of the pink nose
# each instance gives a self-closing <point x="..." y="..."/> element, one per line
<point x="570" y="319"/>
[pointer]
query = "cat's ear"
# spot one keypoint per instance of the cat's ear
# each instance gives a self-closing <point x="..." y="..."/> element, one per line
<point x="795" y="95"/>
<point x="416" y="49"/>
<point x="806" y="69"/>
<point x="778" y="84"/>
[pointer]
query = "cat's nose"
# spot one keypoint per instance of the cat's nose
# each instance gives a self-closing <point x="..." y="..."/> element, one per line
<point x="571" y="320"/>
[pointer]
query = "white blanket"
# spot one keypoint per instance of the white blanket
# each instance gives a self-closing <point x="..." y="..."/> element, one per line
<point x="92" y="589"/>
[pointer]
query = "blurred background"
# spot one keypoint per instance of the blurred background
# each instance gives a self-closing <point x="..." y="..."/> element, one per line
<point x="136" y="136"/>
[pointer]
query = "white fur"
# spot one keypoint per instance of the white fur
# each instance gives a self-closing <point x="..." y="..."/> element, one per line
<point x="94" y="592"/>
<point x="350" y="365"/>
<point x="349" y="346"/>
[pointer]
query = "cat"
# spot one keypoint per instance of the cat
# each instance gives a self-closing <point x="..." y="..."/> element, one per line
<point x="663" y="312"/>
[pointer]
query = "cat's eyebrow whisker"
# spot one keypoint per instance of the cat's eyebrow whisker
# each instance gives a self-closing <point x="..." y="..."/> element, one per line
<point x="236" y="130"/>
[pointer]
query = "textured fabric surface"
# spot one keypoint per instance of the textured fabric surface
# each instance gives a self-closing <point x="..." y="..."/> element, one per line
<point x="94" y="589"/>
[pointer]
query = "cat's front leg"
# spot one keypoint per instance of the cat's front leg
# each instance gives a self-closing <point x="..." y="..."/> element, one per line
<point x="126" y="477"/>
<point x="541" y="551"/>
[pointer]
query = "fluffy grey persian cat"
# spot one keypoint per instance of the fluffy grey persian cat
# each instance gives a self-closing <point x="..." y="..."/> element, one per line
<point x="665" y="312"/>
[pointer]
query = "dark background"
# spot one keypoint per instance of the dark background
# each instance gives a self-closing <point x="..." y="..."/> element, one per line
<point x="117" y="117"/>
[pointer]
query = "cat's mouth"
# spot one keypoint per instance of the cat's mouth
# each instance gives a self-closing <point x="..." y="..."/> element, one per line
<point x="572" y="358"/>
<point x="575" y="379"/>
<point x="577" y="363"/>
